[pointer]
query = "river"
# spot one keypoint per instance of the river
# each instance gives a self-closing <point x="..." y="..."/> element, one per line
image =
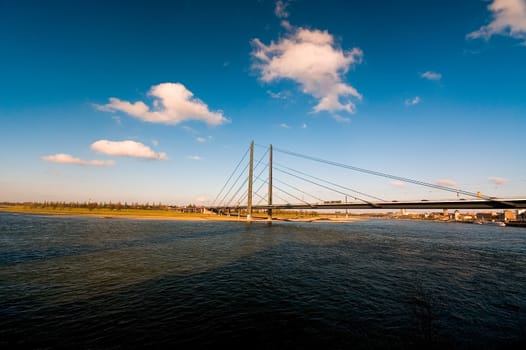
<point x="120" y="283"/>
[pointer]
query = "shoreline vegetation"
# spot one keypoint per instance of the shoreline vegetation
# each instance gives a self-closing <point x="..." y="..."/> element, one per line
<point x="183" y="214"/>
<point x="199" y="213"/>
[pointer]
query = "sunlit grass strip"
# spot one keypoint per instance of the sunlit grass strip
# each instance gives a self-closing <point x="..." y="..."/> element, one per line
<point x="96" y="211"/>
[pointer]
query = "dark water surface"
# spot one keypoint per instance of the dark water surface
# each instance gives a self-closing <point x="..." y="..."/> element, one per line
<point x="99" y="283"/>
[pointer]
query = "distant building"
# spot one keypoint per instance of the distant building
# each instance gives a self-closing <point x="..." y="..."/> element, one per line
<point x="487" y="216"/>
<point x="464" y="217"/>
<point x="510" y="215"/>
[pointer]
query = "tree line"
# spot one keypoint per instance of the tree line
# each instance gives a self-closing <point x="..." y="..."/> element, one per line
<point x="99" y="205"/>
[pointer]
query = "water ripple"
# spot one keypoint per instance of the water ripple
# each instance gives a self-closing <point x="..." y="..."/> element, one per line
<point x="94" y="283"/>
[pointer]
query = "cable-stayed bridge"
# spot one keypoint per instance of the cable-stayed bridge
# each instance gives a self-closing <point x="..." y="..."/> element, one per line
<point x="265" y="184"/>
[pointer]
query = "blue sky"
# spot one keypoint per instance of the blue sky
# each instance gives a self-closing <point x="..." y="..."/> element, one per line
<point x="157" y="101"/>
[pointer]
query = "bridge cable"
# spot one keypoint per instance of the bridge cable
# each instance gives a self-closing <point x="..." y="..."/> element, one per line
<point x="231" y="201"/>
<point x="241" y="199"/>
<point x="259" y="189"/>
<point x="385" y="175"/>
<point x="328" y="188"/>
<point x="297" y="189"/>
<point x="333" y="184"/>
<point x="275" y="195"/>
<point x="230" y="177"/>
<point x="280" y="189"/>
<point x="291" y="195"/>
<point x="263" y="198"/>
<point x="233" y="184"/>
<point x="245" y="195"/>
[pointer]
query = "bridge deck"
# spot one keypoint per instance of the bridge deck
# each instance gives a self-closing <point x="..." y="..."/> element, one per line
<point x="452" y="204"/>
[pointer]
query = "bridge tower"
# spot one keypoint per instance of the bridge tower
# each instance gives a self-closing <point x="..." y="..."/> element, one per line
<point x="250" y="178"/>
<point x="269" y="211"/>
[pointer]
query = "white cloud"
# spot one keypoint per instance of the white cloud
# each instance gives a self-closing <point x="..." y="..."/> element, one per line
<point x="509" y="19"/>
<point x="283" y="95"/>
<point x="173" y="103"/>
<point x="412" y="101"/>
<point x="313" y="60"/>
<point x="304" y="126"/>
<point x="155" y="142"/>
<point x="195" y="157"/>
<point x="189" y="129"/>
<point x="341" y="119"/>
<point x="397" y="183"/>
<point x="202" y="139"/>
<point x="286" y="24"/>
<point x="281" y="9"/>
<point x="447" y="182"/>
<point x="69" y="159"/>
<point x="117" y="120"/>
<point x="429" y="75"/>
<point x="284" y="126"/>
<point x="497" y="180"/>
<point x="127" y="148"/>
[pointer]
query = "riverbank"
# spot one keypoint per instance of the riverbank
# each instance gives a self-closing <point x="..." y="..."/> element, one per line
<point x="155" y="214"/>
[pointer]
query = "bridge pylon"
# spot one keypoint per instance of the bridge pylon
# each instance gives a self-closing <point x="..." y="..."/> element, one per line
<point x="250" y="179"/>
<point x="269" y="211"/>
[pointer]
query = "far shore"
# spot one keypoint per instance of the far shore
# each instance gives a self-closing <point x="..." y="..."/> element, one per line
<point x="142" y="214"/>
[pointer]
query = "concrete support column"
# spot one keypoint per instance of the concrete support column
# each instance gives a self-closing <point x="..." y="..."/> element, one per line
<point x="269" y="212"/>
<point x="250" y="178"/>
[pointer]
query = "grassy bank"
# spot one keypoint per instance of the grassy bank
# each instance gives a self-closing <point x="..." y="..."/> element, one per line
<point x="103" y="212"/>
<point x="159" y="214"/>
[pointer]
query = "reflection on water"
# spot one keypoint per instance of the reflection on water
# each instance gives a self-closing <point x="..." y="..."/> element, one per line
<point x="105" y="283"/>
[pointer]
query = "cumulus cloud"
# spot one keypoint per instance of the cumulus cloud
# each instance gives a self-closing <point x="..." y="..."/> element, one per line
<point x="173" y="103"/>
<point x="69" y="159"/>
<point x="127" y="149"/>
<point x="412" y="101"/>
<point x="508" y="19"/>
<point x="281" y="9"/>
<point x="429" y="75"/>
<point x="497" y="180"/>
<point x="397" y="183"/>
<point x="313" y="60"/>
<point x="447" y="182"/>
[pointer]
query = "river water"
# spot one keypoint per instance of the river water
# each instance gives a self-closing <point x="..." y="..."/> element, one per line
<point x="118" y="283"/>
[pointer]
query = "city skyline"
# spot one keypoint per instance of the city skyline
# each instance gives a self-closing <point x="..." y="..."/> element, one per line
<point x="157" y="102"/>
